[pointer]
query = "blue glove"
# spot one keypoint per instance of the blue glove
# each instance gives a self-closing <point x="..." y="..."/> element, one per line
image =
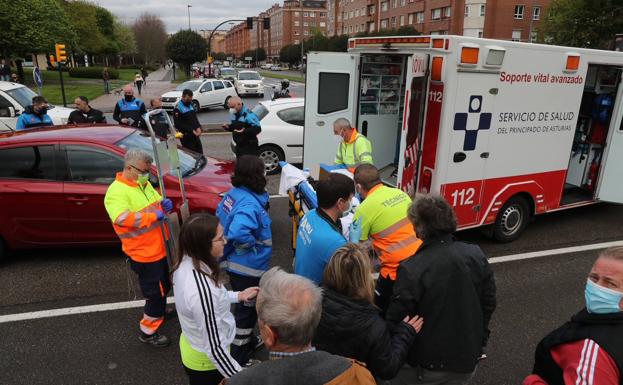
<point x="354" y="231"/>
<point x="159" y="215"/>
<point x="282" y="164"/>
<point x="167" y="205"/>
<point x="332" y="167"/>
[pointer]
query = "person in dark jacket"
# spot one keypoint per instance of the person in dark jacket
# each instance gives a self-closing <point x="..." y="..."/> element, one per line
<point x="451" y="285"/>
<point x="186" y="122"/>
<point x="589" y="348"/>
<point x="159" y="123"/>
<point x="351" y="325"/>
<point x="130" y="110"/>
<point x="34" y="115"/>
<point x="244" y="126"/>
<point x="84" y="114"/>
<point x="5" y="71"/>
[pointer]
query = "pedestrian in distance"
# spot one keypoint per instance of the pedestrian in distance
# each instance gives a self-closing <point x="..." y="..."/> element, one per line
<point x="34" y="115"/>
<point x="352" y="326"/>
<point x="5" y="71"/>
<point x="137" y="213"/>
<point x="243" y="213"/>
<point x="245" y="127"/>
<point x="144" y="75"/>
<point x="106" y="79"/>
<point x="354" y="148"/>
<point x="289" y="308"/>
<point x="451" y="285"/>
<point x="84" y="114"/>
<point x="203" y="302"/>
<point x="130" y="110"/>
<point x="159" y="123"/>
<point x="138" y="82"/>
<point x="15" y="79"/>
<point x="382" y="223"/>
<point x="320" y="232"/>
<point x="589" y="348"/>
<point x="186" y="122"/>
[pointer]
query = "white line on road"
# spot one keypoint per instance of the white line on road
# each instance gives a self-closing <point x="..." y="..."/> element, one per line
<point x="139" y="303"/>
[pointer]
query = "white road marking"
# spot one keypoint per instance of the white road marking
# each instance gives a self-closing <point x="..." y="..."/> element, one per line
<point x="139" y="303"/>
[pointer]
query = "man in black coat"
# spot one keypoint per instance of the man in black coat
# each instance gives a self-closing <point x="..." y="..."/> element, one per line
<point x="451" y="285"/>
<point x="245" y="127"/>
<point x="84" y="114"/>
<point x="186" y="122"/>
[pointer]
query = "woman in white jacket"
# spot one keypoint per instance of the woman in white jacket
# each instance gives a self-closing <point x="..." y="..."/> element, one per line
<point x="203" y="303"/>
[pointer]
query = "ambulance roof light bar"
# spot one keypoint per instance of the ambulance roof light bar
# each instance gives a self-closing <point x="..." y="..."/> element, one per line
<point x="573" y="62"/>
<point x="469" y="55"/>
<point x="386" y="42"/>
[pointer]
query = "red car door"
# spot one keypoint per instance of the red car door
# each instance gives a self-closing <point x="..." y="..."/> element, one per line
<point x="31" y="192"/>
<point x="90" y="170"/>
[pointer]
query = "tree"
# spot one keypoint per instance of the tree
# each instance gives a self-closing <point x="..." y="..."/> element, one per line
<point x="150" y="34"/>
<point x="125" y="37"/>
<point x="405" y="30"/>
<point x="186" y="47"/>
<point x="220" y="56"/>
<point x="338" y="43"/>
<point x="290" y="54"/>
<point x="260" y="52"/>
<point x="31" y="27"/>
<point x="582" y="23"/>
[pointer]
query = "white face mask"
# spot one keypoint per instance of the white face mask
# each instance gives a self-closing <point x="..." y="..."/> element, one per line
<point x="232" y="111"/>
<point x="348" y="210"/>
<point x="338" y="139"/>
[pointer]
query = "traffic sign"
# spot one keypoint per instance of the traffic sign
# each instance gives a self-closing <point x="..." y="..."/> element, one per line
<point x="36" y="77"/>
<point x="249" y="58"/>
<point x="230" y="58"/>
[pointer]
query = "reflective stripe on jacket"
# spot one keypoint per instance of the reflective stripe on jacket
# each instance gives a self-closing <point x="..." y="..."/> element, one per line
<point x="355" y="152"/>
<point x="246" y="224"/>
<point x="132" y="210"/>
<point x="384" y="221"/>
<point x="29" y="119"/>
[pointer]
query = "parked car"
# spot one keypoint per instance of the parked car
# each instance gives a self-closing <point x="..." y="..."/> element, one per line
<point x="206" y="93"/>
<point x="249" y="83"/>
<point x="53" y="182"/>
<point x="266" y="66"/>
<point x="282" y="132"/>
<point x="276" y="67"/>
<point x="227" y="73"/>
<point x="14" y="98"/>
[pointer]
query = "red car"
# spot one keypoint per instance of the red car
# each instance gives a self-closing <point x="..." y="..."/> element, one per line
<point x="53" y="182"/>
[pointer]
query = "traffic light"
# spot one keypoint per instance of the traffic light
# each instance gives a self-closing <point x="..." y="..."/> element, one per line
<point x="249" y="23"/>
<point x="266" y="23"/>
<point x="61" y="55"/>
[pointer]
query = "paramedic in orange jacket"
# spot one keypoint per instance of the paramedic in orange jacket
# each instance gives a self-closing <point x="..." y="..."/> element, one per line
<point x="136" y="211"/>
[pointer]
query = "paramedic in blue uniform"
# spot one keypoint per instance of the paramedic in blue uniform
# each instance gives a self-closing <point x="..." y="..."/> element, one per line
<point x="244" y="126"/>
<point x="35" y="115"/>
<point x="320" y="231"/>
<point x="243" y="213"/>
<point x="186" y="122"/>
<point x="130" y="110"/>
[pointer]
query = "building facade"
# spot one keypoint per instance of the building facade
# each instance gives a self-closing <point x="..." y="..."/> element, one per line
<point x="237" y="40"/>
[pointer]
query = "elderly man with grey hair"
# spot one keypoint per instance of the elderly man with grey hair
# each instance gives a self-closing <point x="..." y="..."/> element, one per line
<point x="289" y="308"/>
<point x="451" y="284"/>
<point x="137" y="211"/>
<point x="354" y="149"/>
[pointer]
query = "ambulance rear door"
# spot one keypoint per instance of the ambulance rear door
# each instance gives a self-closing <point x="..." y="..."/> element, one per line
<point x="330" y="93"/>
<point x="413" y="121"/>
<point x="610" y="185"/>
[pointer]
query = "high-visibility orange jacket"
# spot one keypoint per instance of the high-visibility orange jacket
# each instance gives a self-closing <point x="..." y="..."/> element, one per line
<point x="384" y="221"/>
<point x="132" y="210"/>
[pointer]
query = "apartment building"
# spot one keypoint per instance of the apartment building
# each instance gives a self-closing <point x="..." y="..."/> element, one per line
<point x="237" y="40"/>
<point x="258" y="36"/>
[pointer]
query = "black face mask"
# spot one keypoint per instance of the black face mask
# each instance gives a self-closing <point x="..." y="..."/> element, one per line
<point x="41" y="110"/>
<point x="128" y="98"/>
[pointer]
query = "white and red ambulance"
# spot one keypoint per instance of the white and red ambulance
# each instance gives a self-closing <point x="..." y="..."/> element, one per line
<point x="503" y="130"/>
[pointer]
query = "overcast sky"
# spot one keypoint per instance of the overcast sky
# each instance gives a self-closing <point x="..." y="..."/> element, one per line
<point x="204" y="14"/>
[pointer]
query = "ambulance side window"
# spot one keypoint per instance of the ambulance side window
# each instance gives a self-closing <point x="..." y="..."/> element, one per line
<point x="333" y="92"/>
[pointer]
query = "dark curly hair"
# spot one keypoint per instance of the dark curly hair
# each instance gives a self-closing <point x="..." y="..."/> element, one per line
<point x="249" y="173"/>
<point x="431" y="216"/>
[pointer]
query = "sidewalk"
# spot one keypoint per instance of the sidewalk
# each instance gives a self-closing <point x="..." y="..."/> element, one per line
<point x="157" y="84"/>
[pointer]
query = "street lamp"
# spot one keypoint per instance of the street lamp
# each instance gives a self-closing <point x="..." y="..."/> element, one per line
<point x="188" y="6"/>
<point x="210" y="40"/>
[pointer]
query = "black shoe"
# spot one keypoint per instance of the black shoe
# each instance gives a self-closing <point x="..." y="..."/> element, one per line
<point x="157" y="340"/>
<point x="169" y="314"/>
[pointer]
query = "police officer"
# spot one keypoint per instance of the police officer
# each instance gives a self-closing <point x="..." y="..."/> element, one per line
<point x="84" y="114"/>
<point x="354" y="148"/>
<point x="245" y="127"/>
<point x="34" y="115"/>
<point x="130" y="110"/>
<point x="185" y="120"/>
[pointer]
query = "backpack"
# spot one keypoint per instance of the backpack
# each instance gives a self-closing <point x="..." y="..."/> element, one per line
<point x="357" y="374"/>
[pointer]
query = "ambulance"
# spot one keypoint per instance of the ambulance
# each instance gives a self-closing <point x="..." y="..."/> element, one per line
<point x="502" y="130"/>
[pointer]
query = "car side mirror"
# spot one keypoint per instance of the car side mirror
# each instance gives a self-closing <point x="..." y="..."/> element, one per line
<point x="7" y="112"/>
<point x="202" y="90"/>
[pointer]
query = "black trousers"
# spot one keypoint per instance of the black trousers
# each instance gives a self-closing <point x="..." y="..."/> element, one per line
<point x="383" y="293"/>
<point x="208" y="377"/>
<point x="246" y="317"/>
<point x="153" y="278"/>
<point x="247" y="148"/>
<point x="192" y="142"/>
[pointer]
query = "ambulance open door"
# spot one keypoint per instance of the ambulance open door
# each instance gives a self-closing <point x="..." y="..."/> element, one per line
<point x="331" y="93"/>
<point x="610" y="184"/>
<point x="413" y="122"/>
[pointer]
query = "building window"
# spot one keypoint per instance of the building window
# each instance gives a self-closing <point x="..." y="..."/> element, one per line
<point x="351" y="29"/>
<point x="305" y="14"/>
<point x="357" y="13"/>
<point x="323" y="24"/>
<point x="533" y="37"/>
<point x="305" y="24"/>
<point x="296" y="32"/>
<point x="403" y="3"/>
<point x="363" y="11"/>
<point x="393" y="21"/>
<point x="482" y="9"/>
<point x="536" y="13"/>
<point x="435" y="14"/>
<point x="296" y="14"/>
<point x="296" y="23"/>
<point x="402" y="20"/>
<point x="480" y="34"/>
<point x="419" y="17"/>
<point x="352" y="14"/>
<point x="411" y="18"/>
<point x="296" y="41"/>
<point x="312" y="14"/>
<point x="467" y="11"/>
<point x="394" y="3"/>
<point x="384" y="6"/>
<point x="306" y="32"/>
<point x="371" y="10"/>
<point x="516" y="36"/>
<point x="312" y="23"/>
<point x="371" y="27"/>
<point x="519" y="12"/>
<point x="384" y="24"/>
<point x="446" y="12"/>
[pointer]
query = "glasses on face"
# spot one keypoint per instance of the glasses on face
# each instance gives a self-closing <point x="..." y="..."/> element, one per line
<point x="139" y="170"/>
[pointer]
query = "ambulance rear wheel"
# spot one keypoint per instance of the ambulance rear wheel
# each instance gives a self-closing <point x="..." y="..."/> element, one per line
<point x="512" y="220"/>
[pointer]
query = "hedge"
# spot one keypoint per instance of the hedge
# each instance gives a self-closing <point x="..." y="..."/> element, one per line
<point x="92" y="72"/>
<point x="149" y="68"/>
